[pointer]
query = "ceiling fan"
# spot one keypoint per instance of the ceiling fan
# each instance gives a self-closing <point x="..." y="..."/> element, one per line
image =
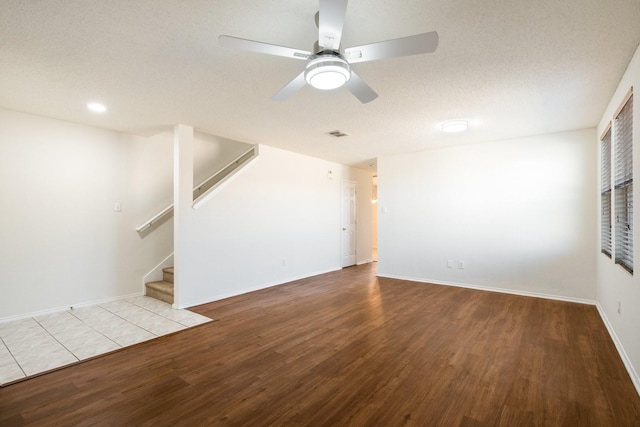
<point x="330" y="66"/>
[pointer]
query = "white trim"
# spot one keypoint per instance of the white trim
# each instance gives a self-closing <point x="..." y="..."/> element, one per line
<point x="490" y="289"/>
<point x="155" y="274"/>
<point x="67" y="307"/>
<point x="635" y="379"/>
<point x="207" y="194"/>
<point x="366" y="261"/>
<point x="204" y="198"/>
<point x="252" y="289"/>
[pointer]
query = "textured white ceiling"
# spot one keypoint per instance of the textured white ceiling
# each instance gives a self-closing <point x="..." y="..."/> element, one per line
<point x="511" y="67"/>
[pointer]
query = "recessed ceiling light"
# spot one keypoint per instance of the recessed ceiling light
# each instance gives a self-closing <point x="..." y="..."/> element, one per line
<point x="453" y="126"/>
<point x="96" y="107"/>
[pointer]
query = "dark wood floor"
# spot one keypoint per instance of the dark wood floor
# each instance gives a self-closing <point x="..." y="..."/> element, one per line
<point x="346" y="348"/>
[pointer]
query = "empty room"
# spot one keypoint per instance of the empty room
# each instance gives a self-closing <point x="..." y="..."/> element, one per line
<point x="319" y="212"/>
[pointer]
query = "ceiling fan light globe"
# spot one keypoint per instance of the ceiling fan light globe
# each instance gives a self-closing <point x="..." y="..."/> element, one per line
<point x="327" y="79"/>
<point x="327" y="73"/>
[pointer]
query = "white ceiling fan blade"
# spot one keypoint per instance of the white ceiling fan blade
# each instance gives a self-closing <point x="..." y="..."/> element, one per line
<point x="360" y="89"/>
<point x="290" y="88"/>
<point x="269" y="49"/>
<point x="412" y="45"/>
<point x="330" y="23"/>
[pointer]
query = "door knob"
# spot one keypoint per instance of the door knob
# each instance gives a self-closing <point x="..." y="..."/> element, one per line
<point x="344" y="228"/>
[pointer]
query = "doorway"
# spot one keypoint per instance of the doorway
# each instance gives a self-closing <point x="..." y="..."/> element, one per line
<point x="349" y="203"/>
<point x="374" y="218"/>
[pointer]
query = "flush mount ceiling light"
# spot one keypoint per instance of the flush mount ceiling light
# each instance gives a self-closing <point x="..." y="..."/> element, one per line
<point x="96" y="107"/>
<point x="453" y="126"/>
<point x="327" y="72"/>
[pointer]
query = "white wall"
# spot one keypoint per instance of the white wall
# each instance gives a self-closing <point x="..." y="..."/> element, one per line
<point x="211" y="153"/>
<point x="520" y="214"/>
<point x="614" y="283"/>
<point x="62" y="242"/>
<point x="276" y="221"/>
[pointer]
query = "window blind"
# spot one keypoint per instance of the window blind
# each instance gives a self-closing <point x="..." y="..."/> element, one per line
<point x="623" y="139"/>
<point x="605" y="194"/>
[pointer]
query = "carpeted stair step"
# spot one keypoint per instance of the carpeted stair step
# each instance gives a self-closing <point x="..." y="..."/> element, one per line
<point x="167" y="274"/>
<point x="161" y="290"/>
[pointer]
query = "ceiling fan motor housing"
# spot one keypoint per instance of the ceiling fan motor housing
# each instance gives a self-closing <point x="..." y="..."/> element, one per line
<point x="327" y="70"/>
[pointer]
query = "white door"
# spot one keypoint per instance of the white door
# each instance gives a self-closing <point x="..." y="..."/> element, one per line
<point x="349" y="192"/>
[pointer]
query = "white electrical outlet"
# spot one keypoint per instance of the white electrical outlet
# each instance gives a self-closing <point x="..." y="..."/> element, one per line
<point x="450" y="263"/>
<point x="461" y="265"/>
<point x="117" y="207"/>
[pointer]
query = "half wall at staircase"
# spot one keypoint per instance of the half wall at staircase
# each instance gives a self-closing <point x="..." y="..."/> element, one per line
<point x="276" y="221"/>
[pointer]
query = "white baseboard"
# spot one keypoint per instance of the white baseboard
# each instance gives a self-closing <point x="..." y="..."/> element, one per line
<point x="492" y="289"/>
<point x="366" y="261"/>
<point x="251" y="289"/>
<point x="623" y="354"/>
<point x="67" y="307"/>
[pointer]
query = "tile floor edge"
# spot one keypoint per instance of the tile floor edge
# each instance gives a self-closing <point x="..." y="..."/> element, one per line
<point x="58" y="368"/>
<point x="67" y="307"/>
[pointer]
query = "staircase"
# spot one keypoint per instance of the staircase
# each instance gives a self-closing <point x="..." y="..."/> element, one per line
<point x="162" y="290"/>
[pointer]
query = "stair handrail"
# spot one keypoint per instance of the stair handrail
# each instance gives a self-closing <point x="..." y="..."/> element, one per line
<point x="235" y="162"/>
<point x="226" y="169"/>
<point x="155" y="218"/>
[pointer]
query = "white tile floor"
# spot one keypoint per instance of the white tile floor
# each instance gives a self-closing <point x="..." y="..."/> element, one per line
<point x="38" y="344"/>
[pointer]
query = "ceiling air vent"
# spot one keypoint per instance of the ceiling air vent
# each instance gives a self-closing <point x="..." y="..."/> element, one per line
<point x="337" y="133"/>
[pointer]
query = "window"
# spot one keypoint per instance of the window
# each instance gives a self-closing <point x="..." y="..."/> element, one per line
<point x="623" y="138"/>
<point x="605" y="194"/>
